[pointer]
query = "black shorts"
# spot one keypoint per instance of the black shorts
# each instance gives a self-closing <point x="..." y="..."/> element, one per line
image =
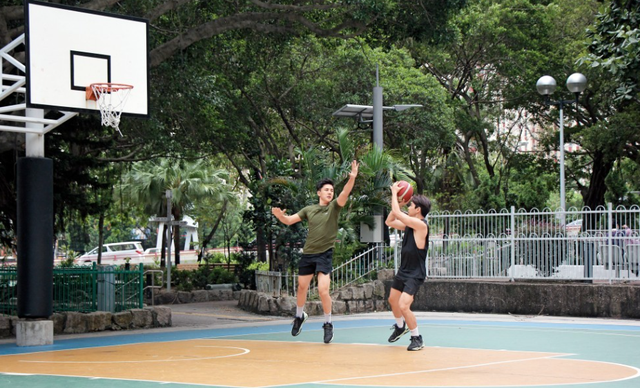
<point x="313" y="263"/>
<point x="410" y="286"/>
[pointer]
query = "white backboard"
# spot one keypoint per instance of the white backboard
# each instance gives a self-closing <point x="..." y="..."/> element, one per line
<point x="69" y="48"/>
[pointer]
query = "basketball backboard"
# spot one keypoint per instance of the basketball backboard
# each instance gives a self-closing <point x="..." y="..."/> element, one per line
<point x="68" y="48"/>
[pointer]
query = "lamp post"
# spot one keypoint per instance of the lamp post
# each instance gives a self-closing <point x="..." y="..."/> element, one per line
<point x="546" y="85"/>
<point x="368" y="114"/>
<point x="372" y="114"/>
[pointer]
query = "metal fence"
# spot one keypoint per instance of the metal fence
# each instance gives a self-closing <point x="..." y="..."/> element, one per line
<point x="81" y="289"/>
<point x="600" y="244"/>
<point x="359" y="268"/>
<point x="573" y="245"/>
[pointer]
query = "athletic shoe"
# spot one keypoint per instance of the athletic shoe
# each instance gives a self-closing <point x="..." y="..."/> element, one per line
<point x="398" y="332"/>
<point x="297" y="324"/>
<point x="328" y="332"/>
<point x="416" y="343"/>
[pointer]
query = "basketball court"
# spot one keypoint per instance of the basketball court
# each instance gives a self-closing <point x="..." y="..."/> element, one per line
<point x="461" y="350"/>
<point x="81" y="61"/>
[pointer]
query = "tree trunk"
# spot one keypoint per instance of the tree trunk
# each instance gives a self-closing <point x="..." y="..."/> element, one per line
<point x="100" y="237"/>
<point x="594" y="195"/>
<point x="176" y="243"/>
<point x="214" y="228"/>
<point x="163" y="249"/>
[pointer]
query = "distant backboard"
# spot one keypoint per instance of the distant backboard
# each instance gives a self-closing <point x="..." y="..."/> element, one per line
<point x="70" y="48"/>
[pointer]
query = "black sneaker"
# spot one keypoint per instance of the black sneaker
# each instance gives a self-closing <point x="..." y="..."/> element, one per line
<point x="398" y="332"/>
<point x="328" y="332"/>
<point x="297" y="324"/>
<point x="416" y="343"/>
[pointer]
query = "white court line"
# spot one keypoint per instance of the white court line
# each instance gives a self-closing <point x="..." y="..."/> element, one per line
<point x="119" y="379"/>
<point x="436" y="370"/>
<point x="329" y="382"/>
<point x="243" y="352"/>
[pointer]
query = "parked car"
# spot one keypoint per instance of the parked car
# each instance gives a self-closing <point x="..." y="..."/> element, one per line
<point x="115" y="253"/>
<point x="574" y="227"/>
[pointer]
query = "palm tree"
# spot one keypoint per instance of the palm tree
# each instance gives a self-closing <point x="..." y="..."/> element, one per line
<point x="190" y="181"/>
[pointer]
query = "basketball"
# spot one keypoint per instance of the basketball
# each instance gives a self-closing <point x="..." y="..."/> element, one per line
<point x="406" y="191"/>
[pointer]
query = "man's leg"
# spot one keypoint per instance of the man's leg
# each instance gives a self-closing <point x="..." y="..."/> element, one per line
<point x="324" y="282"/>
<point x="303" y="289"/>
<point x="412" y="324"/>
<point x="301" y="316"/>
<point x="404" y="306"/>
<point x="400" y="327"/>
<point x="394" y="300"/>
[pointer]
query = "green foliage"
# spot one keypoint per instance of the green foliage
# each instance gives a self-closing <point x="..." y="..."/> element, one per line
<point x="262" y="104"/>
<point x="258" y="266"/>
<point x="189" y="280"/>
<point x="531" y="182"/>
<point x="614" y="47"/>
<point x="348" y="243"/>
<point x="248" y="268"/>
<point x="215" y="257"/>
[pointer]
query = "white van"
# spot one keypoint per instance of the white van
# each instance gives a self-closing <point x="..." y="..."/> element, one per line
<point x="115" y="253"/>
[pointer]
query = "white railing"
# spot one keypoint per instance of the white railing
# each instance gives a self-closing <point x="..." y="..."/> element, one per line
<point x="578" y="245"/>
<point x="359" y="267"/>
<point x="601" y="244"/>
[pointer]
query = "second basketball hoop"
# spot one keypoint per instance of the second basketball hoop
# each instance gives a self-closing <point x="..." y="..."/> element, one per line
<point x="110" y="99"/>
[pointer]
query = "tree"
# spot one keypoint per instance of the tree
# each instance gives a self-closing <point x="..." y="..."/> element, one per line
<point x="188" y="180"/>
<point x="185" y="37"/>
<point x="611" y="103"/>
<point x="496" y="51"/>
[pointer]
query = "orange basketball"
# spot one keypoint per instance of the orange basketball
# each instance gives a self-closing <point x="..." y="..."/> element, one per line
<point x="406" y="191"/>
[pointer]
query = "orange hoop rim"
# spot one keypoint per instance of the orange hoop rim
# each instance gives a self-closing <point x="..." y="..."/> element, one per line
<point x="105" y="87"/>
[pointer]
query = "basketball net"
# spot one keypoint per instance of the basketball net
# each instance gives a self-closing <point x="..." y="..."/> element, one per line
<point x="110" y="99"/>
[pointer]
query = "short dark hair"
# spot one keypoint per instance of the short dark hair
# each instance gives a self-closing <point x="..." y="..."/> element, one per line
<point x="422" y="202"/>
<point x="322" y="182"/>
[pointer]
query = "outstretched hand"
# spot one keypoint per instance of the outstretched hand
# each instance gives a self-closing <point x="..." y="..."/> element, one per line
<point x="276" y="211"/>
<point x="354" y="169"/>
<point x="395" y="187"/>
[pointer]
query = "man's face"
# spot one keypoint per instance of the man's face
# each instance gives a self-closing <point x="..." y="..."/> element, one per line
<point x="412" y="209"/>
<point x="326" y="193"/>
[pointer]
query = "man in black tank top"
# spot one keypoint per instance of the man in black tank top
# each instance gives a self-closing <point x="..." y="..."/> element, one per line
<point x="413" y="271"/>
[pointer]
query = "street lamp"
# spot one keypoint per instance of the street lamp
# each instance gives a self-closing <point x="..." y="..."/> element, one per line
<point x="372" y="114"/>
<point x="546" y="85"/>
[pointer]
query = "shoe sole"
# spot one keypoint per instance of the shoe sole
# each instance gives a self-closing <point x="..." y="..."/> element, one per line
<point x="300" y="329"/>
<point x="398" y="337"/>
<point x="414" y="349"/>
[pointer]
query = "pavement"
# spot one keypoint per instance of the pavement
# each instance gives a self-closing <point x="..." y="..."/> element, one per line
<point x="227" y="314"/>
<point x="207" y="315"/>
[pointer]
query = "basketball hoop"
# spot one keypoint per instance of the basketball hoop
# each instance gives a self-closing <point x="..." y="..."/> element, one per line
<point x="110" y="99"/>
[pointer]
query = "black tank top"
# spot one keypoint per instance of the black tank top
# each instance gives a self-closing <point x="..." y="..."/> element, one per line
<point x="413" y="259"/>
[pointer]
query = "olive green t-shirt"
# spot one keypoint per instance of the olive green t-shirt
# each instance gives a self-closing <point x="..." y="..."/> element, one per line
<point x="323" y="226"/>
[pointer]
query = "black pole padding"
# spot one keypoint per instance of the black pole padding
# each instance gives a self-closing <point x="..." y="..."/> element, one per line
<point x="35" y="237"/>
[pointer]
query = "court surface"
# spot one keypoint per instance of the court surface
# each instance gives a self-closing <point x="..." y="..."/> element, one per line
<point x="461" y="350"/>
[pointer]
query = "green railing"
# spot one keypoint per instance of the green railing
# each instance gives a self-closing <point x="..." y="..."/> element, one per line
<point x="81" y="289"/>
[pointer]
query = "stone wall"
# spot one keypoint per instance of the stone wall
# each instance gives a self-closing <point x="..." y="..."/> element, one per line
<point x="73" y="322"/>
<point x="182" y="297"/>
<point x="495" y="297"/>
<point x="530" y="298"/>
<point x="368" y="297"/>
<point x="148" y="317"/>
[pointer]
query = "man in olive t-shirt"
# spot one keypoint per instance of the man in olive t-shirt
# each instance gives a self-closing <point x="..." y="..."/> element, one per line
<point x="317" y="254"/>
